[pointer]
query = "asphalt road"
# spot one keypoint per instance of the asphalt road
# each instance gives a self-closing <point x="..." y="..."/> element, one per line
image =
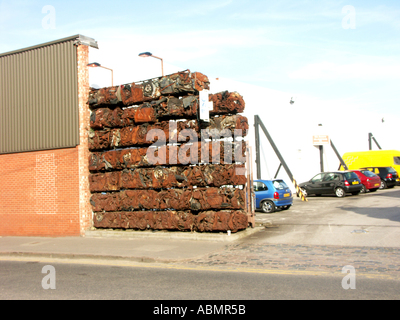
<point x="23" y="280"/>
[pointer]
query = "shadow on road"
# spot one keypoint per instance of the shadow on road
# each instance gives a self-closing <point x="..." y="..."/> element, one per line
<point x="391" y="213"/>
<point x="384" y="193"/>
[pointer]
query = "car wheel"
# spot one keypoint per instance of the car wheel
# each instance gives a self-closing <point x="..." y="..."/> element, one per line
<point x="268" y="207"/>
<point x="340" y="192"/>
<point x="383" y="185"/>
<point x="304" y="191"/>
<point x="363" y="189"/>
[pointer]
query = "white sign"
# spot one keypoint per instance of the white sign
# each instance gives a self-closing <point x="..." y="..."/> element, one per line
<point x="205" y="105"/>
<point x="320" y="140"/>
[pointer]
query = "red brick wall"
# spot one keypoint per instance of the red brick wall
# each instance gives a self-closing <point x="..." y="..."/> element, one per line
<point x="40" y="193"/>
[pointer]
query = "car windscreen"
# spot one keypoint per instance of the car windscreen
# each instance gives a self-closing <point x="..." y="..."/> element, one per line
<point x="350" y="175"/>
<point x="279" y="184"/>
<point x="368" y="173"/>
<point x="391" y="170"/>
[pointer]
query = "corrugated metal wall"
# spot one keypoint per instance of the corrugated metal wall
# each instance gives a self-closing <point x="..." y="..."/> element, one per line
<point x="39" y="99"/>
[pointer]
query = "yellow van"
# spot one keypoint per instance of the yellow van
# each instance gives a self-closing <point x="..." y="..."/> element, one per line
<point x="373" y="158"/>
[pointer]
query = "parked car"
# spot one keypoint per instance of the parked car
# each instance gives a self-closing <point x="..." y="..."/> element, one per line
<point x="338" y="183"/>
<point x="272" y="194"/>
<point x="388" y="175"/>
<point x="370" y="181"/>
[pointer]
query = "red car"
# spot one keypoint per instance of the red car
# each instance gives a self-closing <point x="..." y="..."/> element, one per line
<point x="370" y="181"/>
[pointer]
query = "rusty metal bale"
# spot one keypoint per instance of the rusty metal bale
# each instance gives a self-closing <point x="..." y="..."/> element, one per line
<point x="219" y="152"/>
<point x="206" y="221"/>
<point x="115" y="118"/>
<point x="172" y="177"/>
<point x="136" y="93"/>
<point x="165" y="108"/>
<point x="186" y="130"/>
<point x="199" y="199"/>
<point x="227" y="102"/>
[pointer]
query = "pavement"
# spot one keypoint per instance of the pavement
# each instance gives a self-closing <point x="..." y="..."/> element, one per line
<point x="141" y="246"/>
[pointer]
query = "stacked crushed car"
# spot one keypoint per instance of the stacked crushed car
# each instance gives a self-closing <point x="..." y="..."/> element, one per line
<point x="154" y="164"/>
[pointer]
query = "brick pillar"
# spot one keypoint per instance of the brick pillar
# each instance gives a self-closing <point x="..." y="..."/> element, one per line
<point x="85" y="210"/>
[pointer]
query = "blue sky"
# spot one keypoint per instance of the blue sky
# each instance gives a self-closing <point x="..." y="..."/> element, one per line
<point x="297" y="46"/>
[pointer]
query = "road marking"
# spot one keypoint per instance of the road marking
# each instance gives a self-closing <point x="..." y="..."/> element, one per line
<point x="134" y="264"/>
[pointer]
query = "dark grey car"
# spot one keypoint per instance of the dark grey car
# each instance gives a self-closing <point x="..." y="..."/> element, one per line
<point x="338" y="183"/>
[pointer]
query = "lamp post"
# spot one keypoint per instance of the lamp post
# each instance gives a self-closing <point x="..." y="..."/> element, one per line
<point x="149" y="54"/>
<point x="95" y="65"/>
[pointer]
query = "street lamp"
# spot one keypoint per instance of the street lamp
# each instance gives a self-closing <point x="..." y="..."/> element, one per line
<point x="149" y="54"/>
<point x="95" y="65"/>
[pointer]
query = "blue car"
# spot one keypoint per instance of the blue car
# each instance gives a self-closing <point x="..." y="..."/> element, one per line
<point x="272" y="194"/>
